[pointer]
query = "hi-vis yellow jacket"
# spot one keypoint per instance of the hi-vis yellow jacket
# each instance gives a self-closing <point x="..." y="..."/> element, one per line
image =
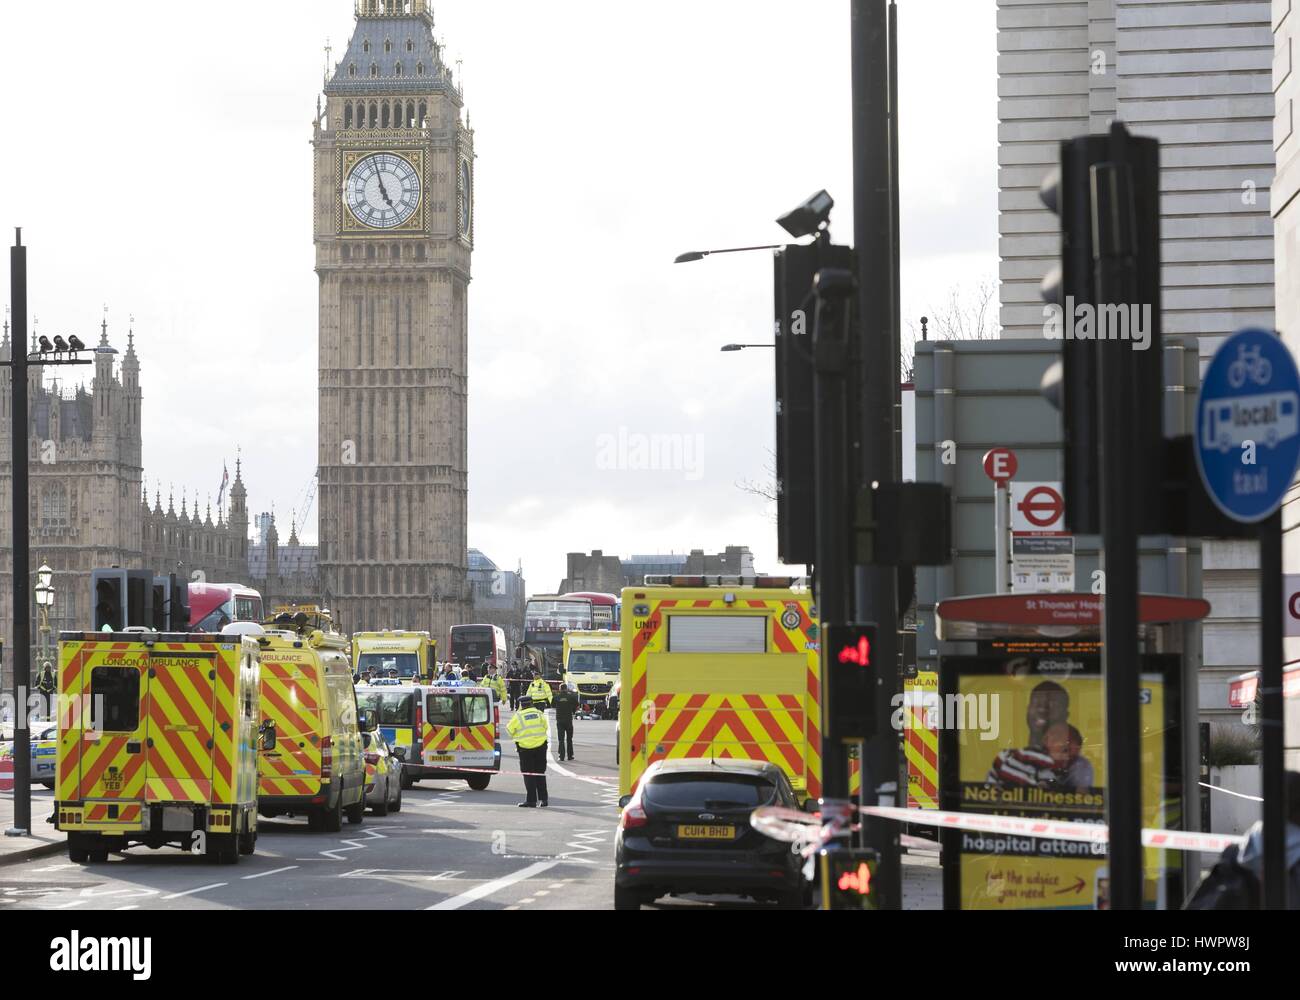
<point x="528" y="729"/>
<point x="539" y="690"/>
<point x="497" y="685"/>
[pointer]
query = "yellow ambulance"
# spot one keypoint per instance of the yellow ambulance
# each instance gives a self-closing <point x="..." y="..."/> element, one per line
<point x="158" y="742"/>
<point x="591" y="664"/>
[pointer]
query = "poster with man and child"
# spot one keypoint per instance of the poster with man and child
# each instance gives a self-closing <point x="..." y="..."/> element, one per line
<point x="1038" y="751"/>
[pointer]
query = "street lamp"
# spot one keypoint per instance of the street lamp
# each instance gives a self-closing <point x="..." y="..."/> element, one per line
<point x="694" y="255"/>
<point x="45" y="603"/>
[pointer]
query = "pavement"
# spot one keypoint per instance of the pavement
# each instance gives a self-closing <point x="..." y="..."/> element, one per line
<point x="449" y="848"/>
<point x="42" y="838"/>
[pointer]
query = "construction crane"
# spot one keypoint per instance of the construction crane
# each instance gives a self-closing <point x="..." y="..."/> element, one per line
<point x="304" y="509"/>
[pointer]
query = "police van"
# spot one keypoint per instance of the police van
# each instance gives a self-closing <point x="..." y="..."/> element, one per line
<point x="438" y="731"/>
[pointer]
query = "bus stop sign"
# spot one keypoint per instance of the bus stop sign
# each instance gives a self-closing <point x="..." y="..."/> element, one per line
<point x="1247" y="429"/>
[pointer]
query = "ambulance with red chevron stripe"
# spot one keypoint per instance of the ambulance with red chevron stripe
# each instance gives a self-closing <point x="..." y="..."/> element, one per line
<point x="316" y="765"/>
<point x="717" y="668"/>
<point x="158" y="742"/>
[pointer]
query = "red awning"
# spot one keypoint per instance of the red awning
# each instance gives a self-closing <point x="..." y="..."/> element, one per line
<point x="1053" y="615"/>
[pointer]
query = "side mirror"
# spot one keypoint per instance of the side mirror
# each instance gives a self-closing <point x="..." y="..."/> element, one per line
<point x="622" y="802"/>
<point x="267" y="736"/>
<point x="363" y="721"/>
<point x="812" y="806"/>
<point x="365" y="740"/>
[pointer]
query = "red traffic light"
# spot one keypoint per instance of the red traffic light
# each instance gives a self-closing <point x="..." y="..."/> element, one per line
<point x="858" y="881"/>
<point x="859" y="653"/>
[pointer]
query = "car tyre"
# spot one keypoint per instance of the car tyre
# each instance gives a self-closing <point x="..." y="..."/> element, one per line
<point x="330" y="820"/>
<point x="407" y="780"/>
<point x="397" y="802"/>
<point x="223" y="848"/>
<point x="628" y="899"/>
<point x="98" y="855"/>
<point x="78" y="853"/>
<point x="357" y="813"/>
<point x="795" y="899"/>
<point x="479" y="782"/>
<point x="381" y="807"/>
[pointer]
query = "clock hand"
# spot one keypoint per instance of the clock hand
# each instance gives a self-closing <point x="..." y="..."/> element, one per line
<point x="379" y="176"/>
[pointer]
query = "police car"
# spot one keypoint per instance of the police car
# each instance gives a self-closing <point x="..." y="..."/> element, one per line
<point x="44" y="748"/>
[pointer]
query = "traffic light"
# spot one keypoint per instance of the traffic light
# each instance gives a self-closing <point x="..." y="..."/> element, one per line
<point x="1073" y="387"/>
<point x="122" y="598"/>
<point x="108" y="592"/>
<point x="171" y="611"/>
<point x="846" y="879"/>
<point x="853" y="672"/>
<point x="796" y="513"/>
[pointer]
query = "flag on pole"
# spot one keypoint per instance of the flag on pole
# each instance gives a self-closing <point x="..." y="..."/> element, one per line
<point x="225" y="481"/>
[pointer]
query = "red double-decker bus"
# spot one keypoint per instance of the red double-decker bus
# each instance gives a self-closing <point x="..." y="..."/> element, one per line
<point x="606" y="610"/>
<point x="213" y="606"/>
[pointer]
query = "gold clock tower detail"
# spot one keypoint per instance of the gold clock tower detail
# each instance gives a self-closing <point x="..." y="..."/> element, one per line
<point x="394" y="175"/>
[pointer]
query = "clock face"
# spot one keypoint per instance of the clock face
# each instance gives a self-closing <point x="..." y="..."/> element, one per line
<point x="383" y="191"/>
<point x="466" y="198"/>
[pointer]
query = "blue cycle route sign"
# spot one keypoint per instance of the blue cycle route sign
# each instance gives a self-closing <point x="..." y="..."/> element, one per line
<point x="1248" y="425"/>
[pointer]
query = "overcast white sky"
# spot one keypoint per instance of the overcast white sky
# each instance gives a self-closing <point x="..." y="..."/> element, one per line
<point x="158" y="156"/>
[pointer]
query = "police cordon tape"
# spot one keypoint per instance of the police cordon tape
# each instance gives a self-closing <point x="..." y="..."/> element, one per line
<point x="793" y="826"/>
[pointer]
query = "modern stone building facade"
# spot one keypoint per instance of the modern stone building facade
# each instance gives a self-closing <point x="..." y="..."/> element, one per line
<point x="1286" y="218"/>
<point x="499" y="596"/>
<point x="1199" y="77"/>
<point x="394" y="168"/>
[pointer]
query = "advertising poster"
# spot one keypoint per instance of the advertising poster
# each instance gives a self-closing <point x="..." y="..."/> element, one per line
<point x="1026" y="736"/>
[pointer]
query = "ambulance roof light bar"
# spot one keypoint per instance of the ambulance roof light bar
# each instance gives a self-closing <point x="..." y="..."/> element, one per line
<point x="766" y="582"/>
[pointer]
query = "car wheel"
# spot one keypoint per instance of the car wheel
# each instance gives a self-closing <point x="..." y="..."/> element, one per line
<point x="247" y="843"/>
<point x="77" y="851"/>
<point x="357" y="813"/>
<point x="223" y="848"/>
<point x="98" y="855"/>
<point x="397" y="802"/>
<point x="407" y="780"/>
<point x="331" y="820"/>
<point x="627" y="899"/>
<point x="792" y="900"/>
<point x="479" y="782"/>
<point x="381" y="807"/>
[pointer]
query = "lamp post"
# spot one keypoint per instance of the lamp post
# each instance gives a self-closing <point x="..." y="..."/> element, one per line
<point x="50" y="354"/>
<point x="45" y="604"/>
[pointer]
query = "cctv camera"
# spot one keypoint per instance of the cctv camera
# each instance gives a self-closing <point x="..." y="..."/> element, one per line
<point x="810" y="217"/>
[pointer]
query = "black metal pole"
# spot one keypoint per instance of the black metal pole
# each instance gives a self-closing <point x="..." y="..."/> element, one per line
<point x="831" y="359"/>
<point x="1271" y="724"/>
<point x="876" y="599"/>
<point x="22" y="634"/>
<point x="1113" y="242"/>
<point x="896" y="261"/>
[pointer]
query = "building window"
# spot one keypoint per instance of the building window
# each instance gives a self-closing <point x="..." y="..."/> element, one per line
<point x="374" y="70"/>
<point x="352" y="69"/>
<point x="365" y="46"/>
<point x="388" y="46"/>
<point x="410" y="45"/>
<point x="398" y="71"/>
<point x="419" y="69"/>
<point x="54" y="507"/>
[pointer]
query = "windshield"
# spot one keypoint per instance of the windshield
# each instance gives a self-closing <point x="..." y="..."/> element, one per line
<point x="557" y="616"/>
<point x="593" y="661"/>
<point x="389" y="664"/>
<point x="387" y="708"/>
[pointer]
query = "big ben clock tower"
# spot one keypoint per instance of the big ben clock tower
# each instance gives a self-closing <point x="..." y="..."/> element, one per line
<point x="394" y="189"/>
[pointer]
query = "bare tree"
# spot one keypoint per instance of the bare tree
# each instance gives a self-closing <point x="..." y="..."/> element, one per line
<point x="765" y="489"/>
<point x="966" y="314"/>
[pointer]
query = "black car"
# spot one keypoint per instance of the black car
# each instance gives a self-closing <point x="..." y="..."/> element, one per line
<point x="686" y="830"/>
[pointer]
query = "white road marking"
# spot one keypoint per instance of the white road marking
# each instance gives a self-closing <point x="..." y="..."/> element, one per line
<point x="273" y="871"/>
<point x="555" y="764"/>
<point x="355" y="845"/>
<point x="68" y="906"/>
<point x="133" y="907"/>
<point x="191" y="892"/>
<point x="488" y="888"/>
